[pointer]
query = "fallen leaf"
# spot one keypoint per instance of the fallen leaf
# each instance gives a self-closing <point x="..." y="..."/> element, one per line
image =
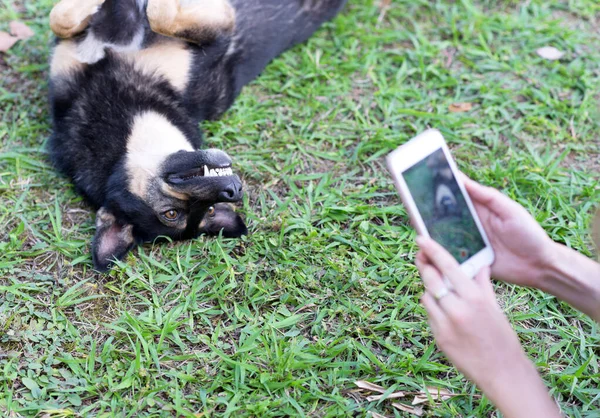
<point x="550" y="53"/>
<point x="437" y="394"/>
<point x="391" y="396"/>
<point x="376" y="415"/>
<point x="460" y="107"/>
<point x="6" y="41"/>
<point x="363" y="384"/>
<point x="415" y="410"/>
<point x="20" y="30"/>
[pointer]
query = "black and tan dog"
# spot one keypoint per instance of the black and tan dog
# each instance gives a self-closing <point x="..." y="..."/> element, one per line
<point x="131" y="80"/>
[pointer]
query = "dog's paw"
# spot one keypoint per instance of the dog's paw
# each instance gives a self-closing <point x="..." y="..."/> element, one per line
<point x="70" y="17"/>
<point x="192" y="20"/>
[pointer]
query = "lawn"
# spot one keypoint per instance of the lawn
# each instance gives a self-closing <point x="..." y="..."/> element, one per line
<point x="323" y="292"/>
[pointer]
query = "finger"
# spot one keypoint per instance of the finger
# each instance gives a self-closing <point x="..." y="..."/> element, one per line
<point x="482" y="279"/>
<point x="435" y="285"/>
<point x="420" y="257"/>
<point x="437" y="318"/>
<point x="490" y="198"/>
<point x="446" y="264"/>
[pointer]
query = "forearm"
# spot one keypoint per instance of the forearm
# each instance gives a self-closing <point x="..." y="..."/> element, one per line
<point x="574" y="279"/>
<point x="519" y="392"/>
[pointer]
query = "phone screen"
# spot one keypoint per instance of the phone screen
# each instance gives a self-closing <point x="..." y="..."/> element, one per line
<point x="442" y="205"/>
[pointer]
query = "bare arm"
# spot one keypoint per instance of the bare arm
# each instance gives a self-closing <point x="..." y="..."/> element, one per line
<point x="573" y="278"/>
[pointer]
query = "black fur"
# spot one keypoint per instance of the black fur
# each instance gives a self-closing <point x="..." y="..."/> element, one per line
<point x="93" y="110"/>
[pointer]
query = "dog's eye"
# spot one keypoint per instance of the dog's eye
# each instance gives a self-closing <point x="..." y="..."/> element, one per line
<point x="171" y="215"/>
<point x="211" y="211"/>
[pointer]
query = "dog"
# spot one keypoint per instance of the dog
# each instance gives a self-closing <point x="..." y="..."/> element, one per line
<point x="445" y="187"/>
<point x="130" y="80"/>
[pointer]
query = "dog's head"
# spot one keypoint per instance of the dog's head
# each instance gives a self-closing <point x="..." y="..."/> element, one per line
<point x="165" y="188"/>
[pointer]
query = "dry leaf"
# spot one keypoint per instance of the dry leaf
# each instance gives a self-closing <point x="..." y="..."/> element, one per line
<point x="20" y="30"/>
<point x="415" y="410"/>
<point x="460" y="107"/>
<point x="550" y="53"/>
<point x="392" y="396"/>
<point x="363" y="384"/>
<point x="6" y="41"/>
<point x="376" y="415"/>
<point x="437" y="394"/>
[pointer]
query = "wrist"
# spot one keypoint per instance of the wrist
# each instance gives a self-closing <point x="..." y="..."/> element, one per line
<point x="573" y="278"/>
<point x="548" y="264"/>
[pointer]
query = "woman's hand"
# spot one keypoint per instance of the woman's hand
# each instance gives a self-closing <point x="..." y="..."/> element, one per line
<point x="471" y="329"/>
<point x="523" y="249"/>
<point x="526" y="256"/>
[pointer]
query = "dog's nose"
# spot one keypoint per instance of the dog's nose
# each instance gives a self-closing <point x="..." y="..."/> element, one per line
<point x="232" y="192"/>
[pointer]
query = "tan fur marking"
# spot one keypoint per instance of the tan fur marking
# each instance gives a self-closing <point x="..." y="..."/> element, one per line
<point x="64" y="59"/>
<point x="103" y="217"/>
<point x="166" y="189"/>
<point x="170" y="59"/>
<point x="175" y="17"/>
<point x="70" y="17"/>
<point x="153" y="138"/>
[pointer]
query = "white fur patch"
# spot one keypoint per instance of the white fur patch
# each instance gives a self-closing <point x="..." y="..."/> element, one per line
<point x="153" y="138"/>
<point x="142" y="4"/>
<point x="442" y="192"/>
<point x="91" y="50"/>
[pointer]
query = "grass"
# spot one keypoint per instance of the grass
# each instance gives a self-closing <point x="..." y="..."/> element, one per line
<point x="323" y="292"/>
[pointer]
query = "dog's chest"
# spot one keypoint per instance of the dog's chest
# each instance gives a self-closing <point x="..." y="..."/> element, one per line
<point x="168" y="59"/>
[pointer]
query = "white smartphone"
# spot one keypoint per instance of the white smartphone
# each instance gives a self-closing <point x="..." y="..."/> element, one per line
<point x="437" y="202"/>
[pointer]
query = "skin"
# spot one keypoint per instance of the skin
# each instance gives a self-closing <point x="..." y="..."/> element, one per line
<point x="467" y="322"/>
<point x="470" y="328"/>
<point x="526" y="256"/>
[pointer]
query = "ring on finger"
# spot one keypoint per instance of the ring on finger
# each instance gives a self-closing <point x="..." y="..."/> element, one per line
<point x="444" y="291"/>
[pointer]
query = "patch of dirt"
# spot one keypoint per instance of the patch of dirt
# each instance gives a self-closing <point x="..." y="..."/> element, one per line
<point x="588" y="162"/>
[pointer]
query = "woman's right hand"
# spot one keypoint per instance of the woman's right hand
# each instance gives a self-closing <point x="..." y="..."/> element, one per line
<point x="523" y="249"/>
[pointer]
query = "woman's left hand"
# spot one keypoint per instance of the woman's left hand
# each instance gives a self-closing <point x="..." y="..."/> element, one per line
<point x="471" y="329"/>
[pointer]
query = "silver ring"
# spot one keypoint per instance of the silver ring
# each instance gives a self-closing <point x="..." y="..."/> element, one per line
<point x="444" y="291"/>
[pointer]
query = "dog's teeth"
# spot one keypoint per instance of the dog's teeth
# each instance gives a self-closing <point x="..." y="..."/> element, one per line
<point x="217" y="172"/>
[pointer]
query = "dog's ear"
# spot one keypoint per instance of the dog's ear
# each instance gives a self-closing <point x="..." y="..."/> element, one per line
<point x="222" y="217"/>
<point x="113" y="240"/>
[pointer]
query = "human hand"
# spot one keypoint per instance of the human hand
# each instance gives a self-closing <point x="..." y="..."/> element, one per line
<point x="468" y="325"/>
<point x="471" y="329"/>
<point x="522" y="248"/>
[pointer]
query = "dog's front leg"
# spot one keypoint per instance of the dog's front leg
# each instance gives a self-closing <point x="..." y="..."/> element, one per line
<point x="196" y="21"/>
<point x="70" y="17"/>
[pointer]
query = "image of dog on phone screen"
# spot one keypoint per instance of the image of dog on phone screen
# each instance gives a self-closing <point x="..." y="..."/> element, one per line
<point x="443" y="207"/>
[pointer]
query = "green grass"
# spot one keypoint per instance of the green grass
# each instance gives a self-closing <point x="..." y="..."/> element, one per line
<point x="323" y="292"/>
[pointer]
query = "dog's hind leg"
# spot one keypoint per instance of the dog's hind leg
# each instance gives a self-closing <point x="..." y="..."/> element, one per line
<point x="70" y="17"/>
<point x="196" y="21"/>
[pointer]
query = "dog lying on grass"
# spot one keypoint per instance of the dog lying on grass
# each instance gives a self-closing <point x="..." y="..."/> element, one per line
<point x="129" y="82"/>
